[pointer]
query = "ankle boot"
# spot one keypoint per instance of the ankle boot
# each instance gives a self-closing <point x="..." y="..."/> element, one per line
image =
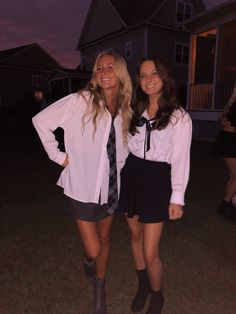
<point x="156" y="302"/>
<point x="144" y="289"/>
<point x="227" y="210"/>
<point x="99" y="295"/>
<point x="89" y="269"/>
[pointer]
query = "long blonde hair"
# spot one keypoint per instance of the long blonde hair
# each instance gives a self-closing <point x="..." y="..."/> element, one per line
<point x="96" y="105"/>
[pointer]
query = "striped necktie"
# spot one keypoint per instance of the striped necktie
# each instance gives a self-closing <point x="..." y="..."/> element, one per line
<point x="111" y="151"/>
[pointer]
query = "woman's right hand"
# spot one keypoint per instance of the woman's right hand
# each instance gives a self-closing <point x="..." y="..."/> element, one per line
<point x="66" y="161"/>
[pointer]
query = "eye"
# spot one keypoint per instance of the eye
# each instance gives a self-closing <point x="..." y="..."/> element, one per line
<point x="109" y="68"/>
<point x="99" y="69"/>
<point x="154" y="73"/>
<point x="143" y="76"/>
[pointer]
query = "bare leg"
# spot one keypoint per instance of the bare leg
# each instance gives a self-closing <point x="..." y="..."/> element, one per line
<point x="152" y="235"/>
<point x="231" y="184"/>
<point x="136" y="237"/>
<point x="104" y="230"/>
<point x="89" y="235"/>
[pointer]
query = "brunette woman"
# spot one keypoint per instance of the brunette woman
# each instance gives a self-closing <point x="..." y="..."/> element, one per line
<point x="155" y="175"/>
<point x="225" y="147"/>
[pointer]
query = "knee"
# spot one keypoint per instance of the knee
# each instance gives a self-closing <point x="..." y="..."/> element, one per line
<point x="151" y="258"/>
<point x="136" y="236"/>
<point x="94" y="253"/>
<point x="104" y="240"/>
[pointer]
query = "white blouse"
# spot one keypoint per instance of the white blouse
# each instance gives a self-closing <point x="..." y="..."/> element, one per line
<point x="87" y="174"/>
<point x="171" y="145"/>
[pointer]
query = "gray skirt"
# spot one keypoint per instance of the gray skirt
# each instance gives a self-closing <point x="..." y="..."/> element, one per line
<point x="86" y="211"/>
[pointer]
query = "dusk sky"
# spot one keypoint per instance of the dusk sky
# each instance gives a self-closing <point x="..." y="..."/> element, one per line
<point x="54" y="24"/>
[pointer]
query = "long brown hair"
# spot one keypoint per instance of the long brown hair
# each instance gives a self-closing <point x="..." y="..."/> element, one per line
<point x="167" y="102"/>
<point x="123" y="96"/>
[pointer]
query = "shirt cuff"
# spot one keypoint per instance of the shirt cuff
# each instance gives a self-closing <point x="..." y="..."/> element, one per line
<point x="177" y="198"/>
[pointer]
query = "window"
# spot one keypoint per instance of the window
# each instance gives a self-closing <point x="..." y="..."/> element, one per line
<point x="37" y="80"/>
<point x="128" y="50"/>
<point x="183" y="11"/>
<point x="181" y="53"/>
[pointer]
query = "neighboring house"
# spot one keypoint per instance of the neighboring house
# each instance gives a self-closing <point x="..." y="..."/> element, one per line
<point x="28" y="68"/>
<point x="212" y="66"/>
<point x="22" y="70"/>
<point x="61" y="82"/>
<point x="138" y="28"/>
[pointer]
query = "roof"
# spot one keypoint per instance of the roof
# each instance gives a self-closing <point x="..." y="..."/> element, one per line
<point x="134" y="12"/>
<point x="226" y="10"/>
<point x="6" y="55"/>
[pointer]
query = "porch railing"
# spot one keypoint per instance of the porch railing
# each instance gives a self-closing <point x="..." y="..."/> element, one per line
<point x="201" y="95"/>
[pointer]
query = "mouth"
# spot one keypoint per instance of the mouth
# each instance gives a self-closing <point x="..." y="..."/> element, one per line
<point x="105" y="80"/>
<point x="149" y="86"/>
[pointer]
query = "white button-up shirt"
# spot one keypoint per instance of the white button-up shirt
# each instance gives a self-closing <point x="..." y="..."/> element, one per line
<point x="171" y="145"/>
<point x="86" y="177"/>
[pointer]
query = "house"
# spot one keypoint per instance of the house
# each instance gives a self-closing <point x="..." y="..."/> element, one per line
<point x="61" y="82"/>
<point x="136" y="29"/>
<point x="30" y="68"/>
<point x="22" y="70"/>
<point x="212" y="66"/>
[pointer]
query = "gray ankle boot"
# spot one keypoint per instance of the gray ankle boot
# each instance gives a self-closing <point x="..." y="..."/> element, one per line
<point x="99" y="295"/>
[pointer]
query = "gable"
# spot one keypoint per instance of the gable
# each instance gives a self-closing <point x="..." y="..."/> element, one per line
<point x="100" y="21"/>
<point x="143" y="10"/>
<point x="167" y="12"/>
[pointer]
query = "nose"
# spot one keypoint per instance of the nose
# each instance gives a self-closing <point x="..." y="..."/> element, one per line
<point x="149" y="78"/>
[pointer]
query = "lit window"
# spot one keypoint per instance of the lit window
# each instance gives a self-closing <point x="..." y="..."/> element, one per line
<point x="183" y="11"/>
<point x="37" y="80"/>
<point x="128" y="50"/>
<point x="181" y="53"/>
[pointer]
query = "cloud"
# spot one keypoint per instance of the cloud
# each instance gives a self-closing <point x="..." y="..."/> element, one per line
<point x="55" y="25"/>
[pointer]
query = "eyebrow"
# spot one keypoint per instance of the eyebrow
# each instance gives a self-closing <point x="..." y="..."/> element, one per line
<point x="154" y="70"/>
<point x="106" y="64"/>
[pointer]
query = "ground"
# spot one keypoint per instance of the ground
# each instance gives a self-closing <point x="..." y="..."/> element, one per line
<point x="41" y="255"/>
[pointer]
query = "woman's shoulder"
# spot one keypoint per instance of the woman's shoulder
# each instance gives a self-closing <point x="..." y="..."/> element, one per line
<point x="180" y="115"/>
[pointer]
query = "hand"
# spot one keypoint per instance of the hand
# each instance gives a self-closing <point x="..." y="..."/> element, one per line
<point x="66" y="161"/>
<point x="175" y="211"/>
<point x="225" y="123"/>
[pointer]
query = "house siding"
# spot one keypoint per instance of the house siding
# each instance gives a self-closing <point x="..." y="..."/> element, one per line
<point x="167" y="14"/>
<point x="117" y="44"/>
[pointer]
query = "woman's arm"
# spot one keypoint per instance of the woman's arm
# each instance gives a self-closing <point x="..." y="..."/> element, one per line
<point x="180" y="159"/>
<point x="49" y="119"/>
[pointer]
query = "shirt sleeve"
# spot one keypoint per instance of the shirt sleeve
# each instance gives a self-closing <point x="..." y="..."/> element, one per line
<point x="180" y="161"/>
<point x="49" y="119"/>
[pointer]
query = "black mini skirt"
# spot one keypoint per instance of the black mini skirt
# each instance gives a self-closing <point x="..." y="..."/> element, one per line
<point x="85" y="211"/>
<point x="145" y="189"/>
<point x="225" y="145"/>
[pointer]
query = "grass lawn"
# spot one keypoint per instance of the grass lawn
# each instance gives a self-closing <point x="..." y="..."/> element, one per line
<point x="40" y="262"/>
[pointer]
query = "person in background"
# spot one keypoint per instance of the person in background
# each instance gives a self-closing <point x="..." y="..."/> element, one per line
<point x="95" y="122"/>
<point x="225" y="147"/>
<point x="39" y="102"/>
<point x="155" y="175"/>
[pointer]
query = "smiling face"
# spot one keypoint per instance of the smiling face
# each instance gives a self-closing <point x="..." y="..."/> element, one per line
<point x="150" y="81"/>
<point x="105" y="73"/>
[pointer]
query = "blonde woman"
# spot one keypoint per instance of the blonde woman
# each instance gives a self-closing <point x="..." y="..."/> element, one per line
<point x="95" y="122"/>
